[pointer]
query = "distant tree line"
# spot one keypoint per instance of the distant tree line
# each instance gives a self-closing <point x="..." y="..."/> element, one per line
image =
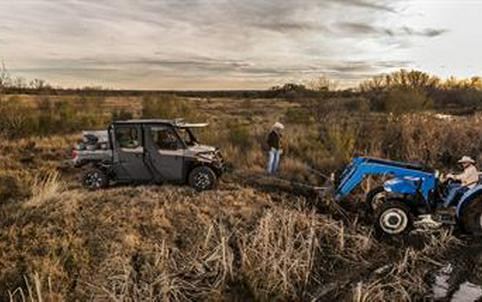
<point x="420" y="90"/>
<point x="8" y="82"/>
<point x="400" y="91"/>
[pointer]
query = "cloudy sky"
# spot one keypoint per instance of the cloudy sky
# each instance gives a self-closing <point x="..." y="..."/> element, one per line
<point x="209" y="44"/>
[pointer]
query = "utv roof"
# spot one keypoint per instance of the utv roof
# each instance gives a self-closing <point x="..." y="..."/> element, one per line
<point x="175" y="123"/>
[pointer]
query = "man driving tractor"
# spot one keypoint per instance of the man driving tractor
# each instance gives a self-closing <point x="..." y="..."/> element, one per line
<point x="468" y="179"/>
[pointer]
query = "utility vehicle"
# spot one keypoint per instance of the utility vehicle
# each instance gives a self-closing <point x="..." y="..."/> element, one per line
<point x="147" y="151"/>
<point x="412" y="195"/>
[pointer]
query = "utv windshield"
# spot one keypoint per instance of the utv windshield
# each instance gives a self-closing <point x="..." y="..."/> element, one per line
<point x="187" y="136"/>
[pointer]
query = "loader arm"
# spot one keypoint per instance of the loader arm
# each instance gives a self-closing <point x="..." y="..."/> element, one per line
<point x="362" y="167"/>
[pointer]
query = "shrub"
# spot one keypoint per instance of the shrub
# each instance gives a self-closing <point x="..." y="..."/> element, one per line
<point x="298" y="116"/>
<point x="406" y="100"/>
<point x="340" y="140"/>
<point x="168" y="107"/>
<point x="20" y="120"/>
<point x="239" y="136"/>
<point x="17" y="120"/>
<point x="122" y="114"/>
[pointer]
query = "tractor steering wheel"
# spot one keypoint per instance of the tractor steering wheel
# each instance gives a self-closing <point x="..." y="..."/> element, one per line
<point x="447" y="184"/>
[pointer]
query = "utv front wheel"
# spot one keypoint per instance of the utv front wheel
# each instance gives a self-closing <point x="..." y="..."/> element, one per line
<point x="202" y="178"/>
<point x="94" y="179"/>
<point x="394" y="218"/>
<point x="472" y="217"/>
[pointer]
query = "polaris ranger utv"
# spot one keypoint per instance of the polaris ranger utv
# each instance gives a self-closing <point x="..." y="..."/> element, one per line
<point x="147" y="151"/>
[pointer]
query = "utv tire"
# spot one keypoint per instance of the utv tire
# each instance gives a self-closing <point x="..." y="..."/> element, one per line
<point x="202" y="178"/>
<point x="472" y="217"/>
<point x="94" y="179"/>
<point x="393" y="219"/>
<point x="375" y="198"/>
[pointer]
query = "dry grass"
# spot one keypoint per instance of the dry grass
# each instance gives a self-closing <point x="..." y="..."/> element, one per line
<point x="59" y="242"/>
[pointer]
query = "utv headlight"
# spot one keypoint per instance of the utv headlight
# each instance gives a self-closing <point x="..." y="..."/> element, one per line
<point x="207" y="155"/>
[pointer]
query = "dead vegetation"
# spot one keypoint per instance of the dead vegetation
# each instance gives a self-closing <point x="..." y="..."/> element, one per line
<point x="59" y="242"/>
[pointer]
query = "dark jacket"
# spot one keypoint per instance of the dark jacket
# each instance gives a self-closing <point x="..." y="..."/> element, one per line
<point x="274" y="140"/>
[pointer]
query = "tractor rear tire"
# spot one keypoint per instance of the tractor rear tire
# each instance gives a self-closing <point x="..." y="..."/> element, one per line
<point x="202" y="178"/>
<point x="94" y="179"/>
<point x="393" y="219"/>
<point x="375" y="198"/>
<point x="472" y="217"/>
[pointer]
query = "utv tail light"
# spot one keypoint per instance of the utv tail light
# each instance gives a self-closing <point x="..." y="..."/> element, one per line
<point x="74" y="154"/>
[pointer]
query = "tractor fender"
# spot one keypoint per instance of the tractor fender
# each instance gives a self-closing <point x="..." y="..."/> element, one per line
<point x="467" y="198"/>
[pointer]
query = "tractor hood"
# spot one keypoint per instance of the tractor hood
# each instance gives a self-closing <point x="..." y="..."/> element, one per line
<point x="404" y="185"/>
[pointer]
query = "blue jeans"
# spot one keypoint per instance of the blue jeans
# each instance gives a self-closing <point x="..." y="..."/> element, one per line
<point x="273" y="162"/>
<point x="455" y="190"/>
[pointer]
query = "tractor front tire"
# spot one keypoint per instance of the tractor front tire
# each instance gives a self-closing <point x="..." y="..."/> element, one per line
<point x="202" y="178"/>
<point x="94" y="179"/>
<point x="375" y="198"/>
<point x="393" y="219"/>
<point x="472" y="217"/>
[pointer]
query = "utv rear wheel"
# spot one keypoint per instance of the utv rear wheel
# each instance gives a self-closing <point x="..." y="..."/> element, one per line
<point x="394" y="218"/>
<point x="94" y="179"/>
<point x="472" y="217"/>
<point x="202" y="178"/>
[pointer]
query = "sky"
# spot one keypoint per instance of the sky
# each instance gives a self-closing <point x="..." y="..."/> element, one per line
<point x="235" y="44"/>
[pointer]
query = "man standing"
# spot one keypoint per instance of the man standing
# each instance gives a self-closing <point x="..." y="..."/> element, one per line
<point x="469" y="178"/>
<point x="274" y="146"/>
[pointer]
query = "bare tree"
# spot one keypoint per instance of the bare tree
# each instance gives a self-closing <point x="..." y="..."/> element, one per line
<point x="39" y="84"/>
<point x="322" y="84"/>
<point x="402" y="79"/>
<point x="5" y="78"/>
<point x="19" y="83"/>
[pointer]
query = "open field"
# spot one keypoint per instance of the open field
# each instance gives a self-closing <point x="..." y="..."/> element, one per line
<point x="240" y="242"/>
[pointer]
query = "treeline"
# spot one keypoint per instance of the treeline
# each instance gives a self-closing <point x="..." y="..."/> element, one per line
<point x="421" y="90"/>
<point x="403" y="90"/>
<point x="400" y="91"/>
<point x="11" y="85"/>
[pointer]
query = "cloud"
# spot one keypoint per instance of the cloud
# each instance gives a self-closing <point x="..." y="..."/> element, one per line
<point x="376" y="5"/>
<point x="148" y="44"/>
<point x="290" y="26"/>
<point x="427" y="32"/>
<point x="357" y="28"/>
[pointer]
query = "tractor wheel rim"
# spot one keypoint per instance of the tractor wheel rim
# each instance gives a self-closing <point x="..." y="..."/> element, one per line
<point x="202" y="180"/>
<point x="393" y="221"/>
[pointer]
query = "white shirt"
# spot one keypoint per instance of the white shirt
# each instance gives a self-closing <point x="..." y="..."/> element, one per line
<point x="469" y="178"/>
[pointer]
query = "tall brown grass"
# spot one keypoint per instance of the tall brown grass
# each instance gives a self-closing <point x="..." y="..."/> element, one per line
<point x="140" y="243"/>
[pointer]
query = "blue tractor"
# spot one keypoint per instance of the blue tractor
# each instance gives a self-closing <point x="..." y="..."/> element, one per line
<point x="413" y="194"/>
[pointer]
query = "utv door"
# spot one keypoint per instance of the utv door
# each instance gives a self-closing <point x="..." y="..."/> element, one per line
<point x="129" y="163"/>
<point x="165" y="151"/>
